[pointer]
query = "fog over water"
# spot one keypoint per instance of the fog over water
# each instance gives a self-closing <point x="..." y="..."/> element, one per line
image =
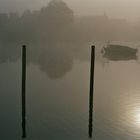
<point x="58" y="36"/>
<point x="55" y="36"/>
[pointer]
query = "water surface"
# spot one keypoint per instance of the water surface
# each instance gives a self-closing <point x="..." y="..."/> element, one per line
<point x="58" y="108"/>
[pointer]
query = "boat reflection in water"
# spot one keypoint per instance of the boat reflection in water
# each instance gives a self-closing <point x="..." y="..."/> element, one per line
<point x="119" y="52"/>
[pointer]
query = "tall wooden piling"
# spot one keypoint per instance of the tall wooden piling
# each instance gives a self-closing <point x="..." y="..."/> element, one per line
<point x="91" y="91"/>
<point x="23" y="91"/>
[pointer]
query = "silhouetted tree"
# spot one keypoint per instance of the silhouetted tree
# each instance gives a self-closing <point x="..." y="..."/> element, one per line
<point x="55" y="21"/>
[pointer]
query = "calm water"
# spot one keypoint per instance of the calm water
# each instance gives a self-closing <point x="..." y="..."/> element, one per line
<point x="58" y="109"/>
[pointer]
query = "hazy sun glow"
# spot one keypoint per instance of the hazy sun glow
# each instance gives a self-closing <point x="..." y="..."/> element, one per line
<point x="137" y="117"/>
<point x="131" y="107"/>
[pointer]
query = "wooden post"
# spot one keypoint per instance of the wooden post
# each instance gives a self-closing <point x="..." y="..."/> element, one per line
<point x="23" y="91"/>
<point x="91" y="91"/>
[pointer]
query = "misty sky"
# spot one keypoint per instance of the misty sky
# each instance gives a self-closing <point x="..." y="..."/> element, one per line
<point x="129" y="9"/>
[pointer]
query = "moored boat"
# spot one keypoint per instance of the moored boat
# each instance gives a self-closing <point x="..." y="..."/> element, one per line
<point x="119" y="52"/>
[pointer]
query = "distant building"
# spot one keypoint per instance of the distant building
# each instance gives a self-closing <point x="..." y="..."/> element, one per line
<point x="94" y="19"/>
<point x="119" y="21"/>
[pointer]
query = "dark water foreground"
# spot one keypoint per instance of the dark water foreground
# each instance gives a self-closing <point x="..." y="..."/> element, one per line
<point x="59" y="108"/>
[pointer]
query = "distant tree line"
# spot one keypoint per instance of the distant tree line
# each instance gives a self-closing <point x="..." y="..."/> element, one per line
<point x="55" y="37"/>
